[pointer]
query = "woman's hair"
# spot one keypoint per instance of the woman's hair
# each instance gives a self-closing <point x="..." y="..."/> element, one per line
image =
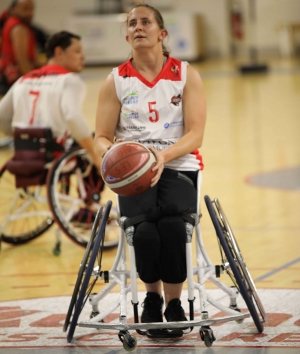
<point x="159" y="19"/>
<point x="61" y="39"/>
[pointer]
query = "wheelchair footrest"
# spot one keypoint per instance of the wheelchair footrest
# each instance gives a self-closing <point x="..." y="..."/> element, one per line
<point x="160" y="325"/>
<point x="164" y="333"/>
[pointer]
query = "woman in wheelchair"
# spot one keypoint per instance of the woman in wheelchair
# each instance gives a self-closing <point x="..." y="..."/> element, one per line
<point x="159" y="101"/>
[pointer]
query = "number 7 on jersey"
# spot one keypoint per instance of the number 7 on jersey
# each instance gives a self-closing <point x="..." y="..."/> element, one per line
<point x="35" y="98"/>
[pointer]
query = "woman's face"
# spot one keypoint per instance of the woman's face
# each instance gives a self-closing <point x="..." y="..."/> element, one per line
<point x="143" y="30"/>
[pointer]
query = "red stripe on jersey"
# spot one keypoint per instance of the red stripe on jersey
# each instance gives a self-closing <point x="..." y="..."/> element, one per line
<point x="47" y="70"/>
<point x="171" y="71"/>
<point x="199" y="158"/>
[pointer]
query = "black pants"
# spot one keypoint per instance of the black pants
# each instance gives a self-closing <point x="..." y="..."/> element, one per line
<point x="160" y="246"/>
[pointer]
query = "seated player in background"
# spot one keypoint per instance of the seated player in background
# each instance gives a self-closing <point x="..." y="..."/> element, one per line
<point x="52" y="96"/>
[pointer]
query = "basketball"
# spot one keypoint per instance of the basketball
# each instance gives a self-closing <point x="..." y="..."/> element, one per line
<point x="127" y="168"/>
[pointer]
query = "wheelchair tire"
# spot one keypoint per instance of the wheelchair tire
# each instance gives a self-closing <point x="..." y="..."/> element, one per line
<point x="24" y="212"/>
<point x="82" y="268"/>
<point x="233" y="260"/>
<point x="74" y="197"/>
<point x="84" y="288"/>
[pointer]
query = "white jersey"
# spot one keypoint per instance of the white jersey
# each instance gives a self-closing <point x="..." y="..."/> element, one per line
<point x="48" y="97"/>
<point x="151" y="112"/>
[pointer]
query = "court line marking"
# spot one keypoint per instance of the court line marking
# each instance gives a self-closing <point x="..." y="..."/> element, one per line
<point x="277" y="270"/>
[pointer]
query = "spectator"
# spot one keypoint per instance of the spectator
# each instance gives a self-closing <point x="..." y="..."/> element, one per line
<point x="18" y="48"/>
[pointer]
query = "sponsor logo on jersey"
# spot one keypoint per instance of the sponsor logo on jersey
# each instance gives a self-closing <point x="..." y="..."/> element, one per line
<point x="173" y="124"/>
<point x="157" y="143"/>
<point x="175" y="70"/>
<point x="136" y="128"/>
<point x="175" y="100"/>
<point x="133" y="115"/>
<point x="130" y="115"/>
<point x="131" y="98"/>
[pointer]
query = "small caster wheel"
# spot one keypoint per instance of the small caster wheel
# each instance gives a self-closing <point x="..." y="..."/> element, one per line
<point x="56" y="249"/>
<point x="208" y="341"/>
<point x="207" y="335"/>
<point x="129" y="343"/>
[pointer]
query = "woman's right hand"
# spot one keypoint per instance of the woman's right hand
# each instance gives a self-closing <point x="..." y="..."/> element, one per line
<point x="159" y="167"/>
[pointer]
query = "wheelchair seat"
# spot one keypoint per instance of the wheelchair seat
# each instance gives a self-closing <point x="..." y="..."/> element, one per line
<point x="34" y="148"/>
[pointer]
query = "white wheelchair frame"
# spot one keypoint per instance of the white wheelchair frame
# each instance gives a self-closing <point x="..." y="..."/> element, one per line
<point x="119" y="275"/>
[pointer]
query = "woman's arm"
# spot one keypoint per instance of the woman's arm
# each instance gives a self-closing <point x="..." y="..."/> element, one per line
<point x="107" y="116"/>
<point x="194" y="116"/>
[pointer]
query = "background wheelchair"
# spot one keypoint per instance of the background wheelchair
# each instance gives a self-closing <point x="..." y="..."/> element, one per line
<point x="43" y="183"/>
<point x="231" y="262"/>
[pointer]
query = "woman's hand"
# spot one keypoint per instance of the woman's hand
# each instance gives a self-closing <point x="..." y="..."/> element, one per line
<point x="109" y="146"/>
<point x="159" y="167"/>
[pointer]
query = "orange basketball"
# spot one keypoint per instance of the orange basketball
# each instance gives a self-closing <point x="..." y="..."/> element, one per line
<point x="127" y="168"/>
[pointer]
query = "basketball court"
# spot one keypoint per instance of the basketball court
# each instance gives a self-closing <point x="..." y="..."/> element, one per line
<point x="251" y="154"/>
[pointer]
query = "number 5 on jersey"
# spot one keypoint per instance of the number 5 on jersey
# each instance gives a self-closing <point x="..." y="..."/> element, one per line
<point x="153" y="110"/>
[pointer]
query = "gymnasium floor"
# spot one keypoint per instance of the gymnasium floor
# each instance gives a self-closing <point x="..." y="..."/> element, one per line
<point x="251" y="154"/>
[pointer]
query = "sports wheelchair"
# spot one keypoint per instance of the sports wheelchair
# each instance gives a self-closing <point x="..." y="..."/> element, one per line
<point x="43" y="184"/>
<point x="232" y="263"/>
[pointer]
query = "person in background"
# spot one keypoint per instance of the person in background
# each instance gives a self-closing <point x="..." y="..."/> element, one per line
<point x="52" y="96"/>
<point x="18" y="43"/>
<point x="158" y="101"/>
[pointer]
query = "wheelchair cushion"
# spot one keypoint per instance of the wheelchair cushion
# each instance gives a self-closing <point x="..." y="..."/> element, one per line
<point x="23" y="168"/>
<point x="34" y="148"/>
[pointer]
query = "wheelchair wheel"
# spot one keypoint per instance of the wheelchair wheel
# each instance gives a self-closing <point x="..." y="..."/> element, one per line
<point x="82" y="268"/>
<point x="91" y="269"/>
<point x="24" y="212"/>
<point x="74" y="193"/>
<point x="234" y="264"/>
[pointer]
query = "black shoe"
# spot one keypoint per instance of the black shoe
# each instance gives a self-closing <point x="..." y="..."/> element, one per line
<point x="152" y="312"/>
<point x="175" y="313"/>
<point x="152" y="305"/>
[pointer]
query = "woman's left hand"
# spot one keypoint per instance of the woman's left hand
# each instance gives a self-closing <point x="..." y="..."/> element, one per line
<point x="159" y="167"/>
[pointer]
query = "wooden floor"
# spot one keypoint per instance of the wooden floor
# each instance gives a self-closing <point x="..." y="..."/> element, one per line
<point x="253" y="129"/>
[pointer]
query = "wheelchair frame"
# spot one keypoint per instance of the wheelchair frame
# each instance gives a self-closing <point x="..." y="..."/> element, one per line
<point x="27" y="212"/>
<point x="232" y="263"/>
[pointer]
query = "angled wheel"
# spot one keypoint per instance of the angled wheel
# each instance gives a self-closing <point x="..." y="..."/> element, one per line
<point x="74" y="195"/>
<point x="82" y="268"/>
<point x="24" y="212"/>
<point x="234" y="264"/>
<point x="90" y="271"/>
